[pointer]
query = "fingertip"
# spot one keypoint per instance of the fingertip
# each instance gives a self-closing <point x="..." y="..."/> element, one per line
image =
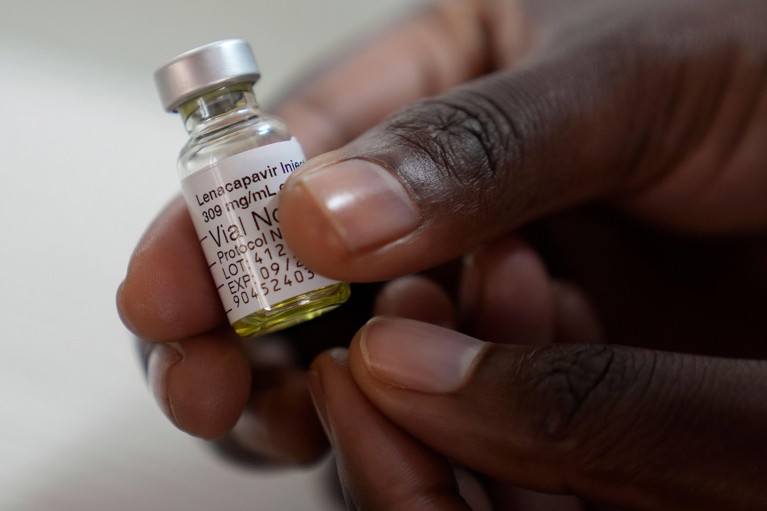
<point x="159" y="363"/>
<point x="335" y="213"/>
<point x="576" y="319"/>
<point x="279" y="423"/>
<point x="330" y="366"/>
<point x="308" y="232"/>
<point x="365" y="203"/>
<point x="505" y="294"/>
<point x="201" y="385"/>
<point x="167" y="293"/>
<point x="415" y="356"/>
<point x="416" y="297"/>
<point x="335" y="357"/>
<point x="405" y="474"/>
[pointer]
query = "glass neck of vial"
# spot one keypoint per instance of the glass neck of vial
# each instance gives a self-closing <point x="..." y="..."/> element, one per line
<point x="219" y="108"/>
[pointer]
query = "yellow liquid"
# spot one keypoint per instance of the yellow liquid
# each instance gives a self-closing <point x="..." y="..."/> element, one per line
<point x="293" y="311"/>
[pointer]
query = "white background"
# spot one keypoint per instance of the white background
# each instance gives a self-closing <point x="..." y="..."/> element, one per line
<point x="88" y="157"/>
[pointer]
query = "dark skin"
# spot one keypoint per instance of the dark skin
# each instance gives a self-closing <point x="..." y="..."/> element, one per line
<point x="609" y="150"/>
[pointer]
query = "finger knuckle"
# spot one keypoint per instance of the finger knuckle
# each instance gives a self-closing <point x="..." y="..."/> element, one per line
<point x="465" y="135"/>
<point x="572" y="390"/>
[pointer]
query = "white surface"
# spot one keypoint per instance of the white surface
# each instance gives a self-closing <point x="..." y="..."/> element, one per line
<point x="89" y="157"/>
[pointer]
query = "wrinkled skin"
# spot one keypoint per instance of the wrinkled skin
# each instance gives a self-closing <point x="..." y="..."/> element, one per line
<point x="600" y="167"/>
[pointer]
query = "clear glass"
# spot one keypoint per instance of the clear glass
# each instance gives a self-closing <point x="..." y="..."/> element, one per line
<point x="224" y="123"/>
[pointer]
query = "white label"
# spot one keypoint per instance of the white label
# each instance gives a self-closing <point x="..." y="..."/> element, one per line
<point x="234" y="208"/>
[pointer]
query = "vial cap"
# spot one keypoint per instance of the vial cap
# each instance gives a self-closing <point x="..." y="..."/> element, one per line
<point x="204" y="69"/>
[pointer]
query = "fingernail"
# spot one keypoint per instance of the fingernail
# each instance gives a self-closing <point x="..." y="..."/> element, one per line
<point x="365" y="204"/>
<point x="161" y="359"/>
<point x="418" y="356"/>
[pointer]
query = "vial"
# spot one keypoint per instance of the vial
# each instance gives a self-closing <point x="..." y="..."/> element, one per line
<point x="231" y="171"/>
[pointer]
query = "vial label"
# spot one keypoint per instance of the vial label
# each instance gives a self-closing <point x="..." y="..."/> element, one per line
<point x="234" y="208"/>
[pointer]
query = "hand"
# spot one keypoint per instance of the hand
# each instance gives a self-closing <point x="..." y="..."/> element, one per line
<point x="637" y="428"/>
<point x="653" y="109"/>
<point x="656" y="111"/>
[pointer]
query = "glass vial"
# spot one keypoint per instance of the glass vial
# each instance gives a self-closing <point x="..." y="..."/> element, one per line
<point x="231" y="170"/>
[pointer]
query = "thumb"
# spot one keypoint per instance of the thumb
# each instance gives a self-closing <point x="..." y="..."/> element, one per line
<point x="452" y="171"/>
<point x="635" y="428"/>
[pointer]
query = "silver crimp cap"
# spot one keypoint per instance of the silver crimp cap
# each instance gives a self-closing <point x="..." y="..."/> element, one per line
<point x="204" y="69"/>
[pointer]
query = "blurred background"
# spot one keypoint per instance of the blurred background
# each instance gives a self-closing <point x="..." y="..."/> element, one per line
<point x="89" y="158"/>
